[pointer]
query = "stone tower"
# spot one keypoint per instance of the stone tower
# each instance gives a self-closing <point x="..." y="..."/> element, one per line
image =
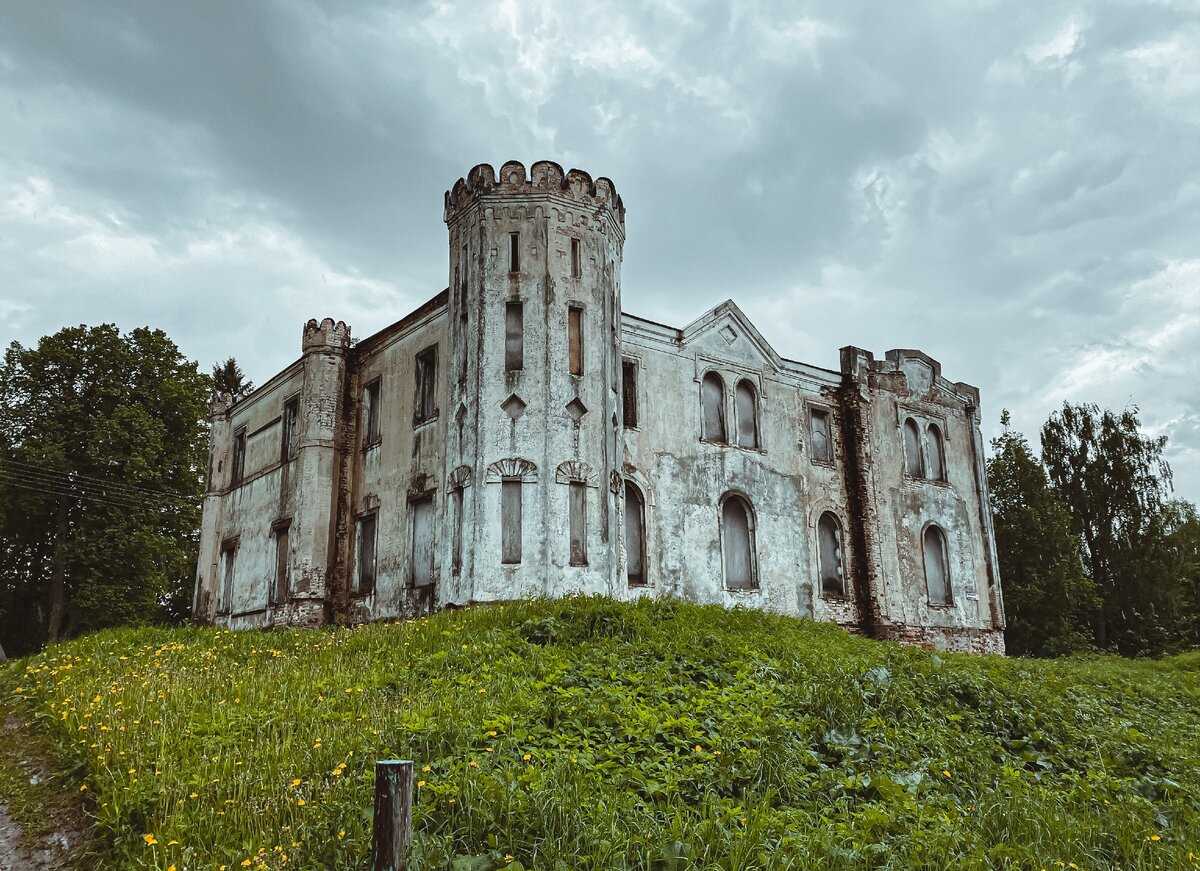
<point x="534" y="441"/>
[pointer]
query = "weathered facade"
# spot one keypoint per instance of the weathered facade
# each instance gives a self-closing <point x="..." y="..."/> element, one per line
<point x="519" y="435"/>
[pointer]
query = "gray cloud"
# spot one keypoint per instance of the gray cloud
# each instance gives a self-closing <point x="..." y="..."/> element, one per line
<point x="1014" y="190"/>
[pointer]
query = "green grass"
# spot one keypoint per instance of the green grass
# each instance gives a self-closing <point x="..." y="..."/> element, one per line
<point x="587" y="734"/>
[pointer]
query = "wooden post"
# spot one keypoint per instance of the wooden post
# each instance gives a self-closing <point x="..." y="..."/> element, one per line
<point x="392" y="829"/>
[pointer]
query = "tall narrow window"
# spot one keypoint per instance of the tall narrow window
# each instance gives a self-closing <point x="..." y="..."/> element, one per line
<point x="510" y="521"/>
<point x="364" y="564"/>
<point x="289" y="442"/>
<point x="237" y="468"/>
<point x="629" y="393"/>
<point x="228" y="559"/>
<point x="937" y="569"/>
<point x="635" y="536"/>
<point x="456" y="546"/>
<point x="575" y="339"/>
<point x="279" y="590"/>
<point x="578" y="522"/>
<point x="514" y="336"/>
<point x="829" y="547"/>
<point x="370" y="413"/>
<point x="933" y="453"/>
<point x="425" y="401"/>
<point x="712" y="398"/>
<point x="422" y="542"/>
<point x="818" y="436"/>
<point x="514" y="252"/>
<point x="576" y="265"/>
<point x="912" y="449"/>
<point x="737" y="544"/>
<point x="747" y="415"/>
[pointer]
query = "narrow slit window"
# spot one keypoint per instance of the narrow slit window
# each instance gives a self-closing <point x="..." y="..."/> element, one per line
<point x="422" y="566"/>
<point x="514" y="252"/>
<point x="747" y="415"/>
<point x="937" y="569"/>
<point x="829" y="545"/>
<point x="237" y="468"/>
<point x="629" y="393"/>
<point x="514" y="336"/>
<point x="576" y="265"/>
<point x="712" y="397"/>
<point x="510" y="521"/>
<point x="425" y="401"/>
<point x="737" y="544"/>
<point x="279" y="589"/>
<point x="370" y="412"/>
<point x="289" y="442"/>
<point x="818" y="436"/>
<point x="635" y="537"/>
<point x="578" y="523"/>
<point x="912" y="449"/>
<point x="933" y="452"/>
<point x="461" y="285"/>
<point x="456" y="548"/>
<point x="575" y="339"/>
<point x="364" y="564"/>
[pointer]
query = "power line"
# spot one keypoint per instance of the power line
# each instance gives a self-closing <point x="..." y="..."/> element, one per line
<point x="132" y="489"/>
<point x="70" y="483"/>
<point x="63" y="491"/>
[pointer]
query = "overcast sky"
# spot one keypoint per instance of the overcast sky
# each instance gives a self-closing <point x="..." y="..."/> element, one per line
<point x="1012" y="188"/>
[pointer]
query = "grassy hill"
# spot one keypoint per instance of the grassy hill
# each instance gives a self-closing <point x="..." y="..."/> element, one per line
<point x="592" y="735"/>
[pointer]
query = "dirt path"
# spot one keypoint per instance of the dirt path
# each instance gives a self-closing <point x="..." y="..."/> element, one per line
<point x="14" y="856"/>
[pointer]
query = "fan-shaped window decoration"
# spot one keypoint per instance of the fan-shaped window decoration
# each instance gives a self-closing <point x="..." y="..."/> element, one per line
<point x="937" y="568"/>
<point x="912" y="449"/>
<point x="712" y="399"/>
<point x="829" y="546"/>
<point x="933" y="453"/>
<point x="747" y="415"/>
<point x="737" y="544"/>
<point x="635" y="536"/>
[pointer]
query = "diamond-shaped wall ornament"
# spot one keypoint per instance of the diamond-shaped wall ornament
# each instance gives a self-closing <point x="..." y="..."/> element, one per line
<point x="514" y="406"/>
<point x="576" y="409"/>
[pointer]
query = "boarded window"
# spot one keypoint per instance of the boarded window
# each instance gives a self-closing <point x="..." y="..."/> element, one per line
<point x="818" y="431"/>
<point x="737" y="544"/>
<point x="635" y="536"/>
<point x="575" y="339"/>
<point x="829" y="547"/>
<point x="912" y="449"/>
<point x="514" y="252"/>
<point x="578" y="522"/>
<point x="933" y="453"/>
<point x="712" y="400"/>
<point x="279" y="590"/>
<point x="290" y="441"/>
<point x="576" y="265"/>
<point x="747" y="415"/>
<point x="364" y="564"/>
<point x="228" y="561"/>
<point x="629" y="398"/>
<point x="937" y="570"/>
<point x="422" y="542"/>
<point x="456" y="547"/>
<point x="237" y="467"/>
<point x="425" y="400"/>
<point x="510" y="520"/>
<point x="370" y="413"/>
<point x="514" y="336"/>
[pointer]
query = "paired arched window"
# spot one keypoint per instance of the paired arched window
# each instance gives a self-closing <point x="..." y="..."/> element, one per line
<point x="737" y="544"/>
<point x="933" y="453"/>
<point x="913" y="466"/>
<point x="712" y="401"/>
<point x="635" y="536"/>
<point x="829" y="555"/>
<point x="747" y="415"/>
<point x="937" y="566"/>
<point x="928" y="463"/>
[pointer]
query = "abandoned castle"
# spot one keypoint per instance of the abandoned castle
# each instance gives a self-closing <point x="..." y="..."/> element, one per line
<point x="520" y="435"/>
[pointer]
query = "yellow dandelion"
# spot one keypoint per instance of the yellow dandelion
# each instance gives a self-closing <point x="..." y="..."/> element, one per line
<point x="420" y="783"/>
<point x="300" y="802"/>
<point x="150" y="840"/>
<point x="945" y="772"/>
<point x="296" y="782"/>
<point x="527" y="757"/>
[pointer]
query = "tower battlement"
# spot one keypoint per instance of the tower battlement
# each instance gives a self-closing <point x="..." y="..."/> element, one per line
<point x="326" y="334"/>
<point x="544" y="176"/>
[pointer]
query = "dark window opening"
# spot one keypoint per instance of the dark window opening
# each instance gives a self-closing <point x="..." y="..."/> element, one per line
<point x="237" y="468"/>
<point x="425" y="401"/>
<point x="290" y="442"/>
<point x="737" y="544"/>
<point x="510" y="521"/>
<point x="578" y="522"/>
<point x="456" y="549"/>
<point x="712" y="396"/>
<point x="364" y="565"/>
<point x="912" y="449"/>
<point x="819" y="437"/>
<point x="829" y="547"/>
<point x="937" y="569"/>
<point x="228" y="560"/>
<point x="747" y="415"/>
<point x="514" y="252"/>
<point x="279" y="590"/>
<point x="370" y="413"/>
<point x="629" y="397"/>
<point x="635" y="537"/>
<point x="575" y="340"/>
<point x="514" y="336"/>
<point x="576" y="265"/>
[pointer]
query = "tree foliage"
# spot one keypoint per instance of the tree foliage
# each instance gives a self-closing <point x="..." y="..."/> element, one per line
<point x="228" y="377"/>
<point x="101" y="458"/>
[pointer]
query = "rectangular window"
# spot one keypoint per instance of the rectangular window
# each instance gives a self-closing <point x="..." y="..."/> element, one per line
<point x="289" y="444"/>
<point x="425" y="402"/>
<point x="629" y="393"/>
<point x="279" y="590"/>
<point x="819" y="436"/>
<point x="422" y="542"/>
<point x="228" y="559"/>
<point x="510" y="521"/>
<point x="576" y="264"/>
<point x="578" y="521"/>
<point x="575" y="340"/>
<point x="237" y="467"/>
<point x="514" y="336"/>
<point x="364" y="563"/>
<point x="456" y="502"/>
<point x="370" y="413"/>
<point x="514" y="252"/>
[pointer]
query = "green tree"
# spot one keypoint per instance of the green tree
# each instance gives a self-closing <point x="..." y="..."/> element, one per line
<point x="101" y="462"/>
<point x="1047" y="595"/>
<point x="228" y="377"/>
<point x="1115" y="482"/>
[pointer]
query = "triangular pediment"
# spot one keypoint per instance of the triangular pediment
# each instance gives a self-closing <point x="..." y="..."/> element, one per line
<point x="725" y="333"/>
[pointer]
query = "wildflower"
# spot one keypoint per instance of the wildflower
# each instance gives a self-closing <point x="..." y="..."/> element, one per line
<point x="83" y="788"/>
<point x="300" y="802"/>
<point x="296" y="782"/>
<point x="341" y="834"/>
<point x="527" y="757"/>
<point x="420" y="783"/>
<point x="150" y="840"/>
<point x="426" y="769"/>
<point x="945" y="772"/>
<point x="698" y="748"/>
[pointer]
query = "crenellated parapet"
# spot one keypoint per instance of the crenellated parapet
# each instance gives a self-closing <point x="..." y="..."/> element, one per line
<point x="326" y="335"/>
<point x="219" y="404"/>
<point x="544" y="176"/>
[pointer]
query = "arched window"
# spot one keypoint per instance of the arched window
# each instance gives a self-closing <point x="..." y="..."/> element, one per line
<point x="737" y="544"/>
<point x="747" y="415"/>
<point x="937" y="568"/>
<point x="933" y="453"/>
<point x="829" y="547"/>
<point x="635" y="536"/>
<point x="912" y="449"/>
<point x="712" y="398"/>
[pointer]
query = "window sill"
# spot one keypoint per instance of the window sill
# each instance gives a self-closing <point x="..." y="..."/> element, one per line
<point x="942" y="606"/>
<point x="373" y="444"/>
<point x="418" y="424"/>
<point x="744" y="591"/>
